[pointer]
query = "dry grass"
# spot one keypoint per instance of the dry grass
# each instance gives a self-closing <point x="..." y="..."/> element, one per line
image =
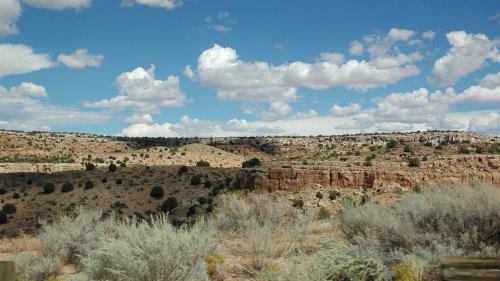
<point x="22" y="243"/>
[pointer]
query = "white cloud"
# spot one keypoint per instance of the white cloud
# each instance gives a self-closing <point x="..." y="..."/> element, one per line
<point x="339" y="111"/>
<point x="221" y="28"/>
<point x="277" y="109"/>
<point x="396" y="34"/>
<point x="29" y="89"/>
<point x="9" y="13"/>
<point x="141" y="91"/>
<point x="189" y="73"/>
<point x="468" y="53"/>
<point x="429" y="35"/>
<point x="495" y="18"/>
<point x="18" y="59"/>
<point x="487" y="124"/>
<point x="335" y="58"/>
<point x="356" y="48"/>
<point x="222" y="22"/>
<point x="139" y="118"/>
<point x="145" y="130"/>
<point x="306" y="114"/>
<point x="382" y="45"/>
<point x="59" y="4"/>
<point x="80" y="59"/>
<point x="479" y="94"/>
<point x="166" y="4"/>
<point x="490" y="81"/>
<point x="26" y="107"/>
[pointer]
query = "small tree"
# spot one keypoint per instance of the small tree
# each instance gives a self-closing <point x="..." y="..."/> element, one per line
<point x="88" y="184"/>
<point x="195" y="180"/>
<point x="48" y="188"/>
<point x="202" y="163"/>
<point x="392" y="144"/>
<point x="90" y="167"/>
<point x="9" y="208"/>
<point x="251" y="163"/>
<point x="67" y="187"/>
<point x="112" y="167"/>
<point x="157" y="192"/>
<point x="182" y="170"/>
<point x="319" y="195"/>
<point x="207" y="184"/>
<point x="3" y="217"/>
<point x="413" y="162"/>
<point x="323" y="213"/>
<point x="169" y="204"/>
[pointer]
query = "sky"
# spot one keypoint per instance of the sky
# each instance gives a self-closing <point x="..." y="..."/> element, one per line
<point x="206" y="68"/>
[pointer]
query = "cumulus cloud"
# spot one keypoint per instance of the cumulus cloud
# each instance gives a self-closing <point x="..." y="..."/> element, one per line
<point x="27" y="107"/>
<point x="9" y="13"/>
<point x="356" y="48"/>
<point x="339" y="111"/>
<point x="487" y="124"/>
<point x="306" y="114"/>
<point x="59" y="4"/>
<point x="80" y="59"/>
<point x="429" y="35"/>
<point x="222" y="22"/>
<point x="189" y="73"/>
<point x="261" y="82"/>
<point x="139" y="119"/>
<point x="468" y="53"/>
<point x="18" y="59"/>
<point x="490" y="81"/>
<point x="495" y="18"/>
<point x="145" y="130"/>
<point x="165" y="4"/>
<point x="141" y="91"/>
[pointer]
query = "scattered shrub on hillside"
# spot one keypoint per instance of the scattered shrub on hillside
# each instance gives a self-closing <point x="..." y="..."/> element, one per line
<point x="413" y="162"/>
<point x="494" y="149"/>
<point x="254" y="162"/>
<point x="104" y="180"/>
<point x="169" y="204"/>
<point x="119" y="181"/>
<point x="202" y="163"/>
<point x="479" y="150"/>
<point x="202" y="200"/>
<point x="182" y="170"/>
<point x="16" y="195"/>
<point x="406" y="148"/>
<point x="365" y="198"/>
<point x="48" y="188"/>
<point x="429" y="144"/>
<point x="3" y="217"/>
<point x="463" y="150"/>
<point x="3" y="191"/>
<point x="88" y="184"/>
<point x="391" y="144"/>
<point x="67" y="187"/>
<point x="195" y="180"/>
<point x="29" y="182"/>
<point x="112" y="168"/>
<point x="191" y="211"/>
<point x="332" y="194"/>
<point x="9" y="208"/>
<point x="207" y="184"/>
<point x="123" y="164"/>
<point x="298" y="203"/>
<point x="319" y="195"/>
<point x="34" y="267"/>
<point x="323" y="213"/>
<point x="89" y="167"/>
<point x="157" y="192"/>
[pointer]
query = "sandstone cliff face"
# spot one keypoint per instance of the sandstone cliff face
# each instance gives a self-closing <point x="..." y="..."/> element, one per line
<point x="461" y="169"/>
<point x="38" y="167"/>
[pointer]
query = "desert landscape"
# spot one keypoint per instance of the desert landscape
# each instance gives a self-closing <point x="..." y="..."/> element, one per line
<point x="292" y="192"/>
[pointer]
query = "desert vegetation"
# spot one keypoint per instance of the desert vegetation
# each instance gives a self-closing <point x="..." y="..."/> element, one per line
<point x="262" y="237"/>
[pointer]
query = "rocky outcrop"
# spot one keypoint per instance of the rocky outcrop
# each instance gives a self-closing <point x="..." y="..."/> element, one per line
<point x="38" y="167"/>
<point x="463" y="170"/>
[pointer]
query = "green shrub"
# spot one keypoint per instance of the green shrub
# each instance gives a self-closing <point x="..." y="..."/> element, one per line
<point x="202" y="200"/>
<point x="195" y="180"/>
<point x="89" y="167"/>
<point x="254" y="162"/>
<point x="479" y="150"/>
<point x="123" y="164"/>
<point x="182" y="170"/>
<point x="104" y="180"/>
<point x="323" y="213"/>
<point x="202" y="163"/>
<point x="48" y="188"/>
<point x="407" y="148"/>
<point x="157" y="192"/>
<point x="9" y="208"/>
<point x="463" y="150"/>
<point x="112" y="167"/>
<point x="298" y="203"/>
<point x="3" y="218"/>
<point x="3" y="191"/>
<point x="191" y="211"/>
<point x="319" y="195"/>
<point x="88" y="184"/>
<point x="169" y="204"/>
<point x="207" y="184"/>
<point x="67" y="187"/>
<point x="391" y="144"/>
<point x="365" y="199"/>
<point x="119" y="181"/>
<point x="16" y="195"/>
<point x="413" y="162"/>
<point x="332" y="194"/>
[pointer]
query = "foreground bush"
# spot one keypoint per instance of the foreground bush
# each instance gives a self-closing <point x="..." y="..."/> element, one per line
<point x="153" y="252"/>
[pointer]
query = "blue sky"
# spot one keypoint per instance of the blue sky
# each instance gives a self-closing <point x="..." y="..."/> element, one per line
<point x="229" y="68"/>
